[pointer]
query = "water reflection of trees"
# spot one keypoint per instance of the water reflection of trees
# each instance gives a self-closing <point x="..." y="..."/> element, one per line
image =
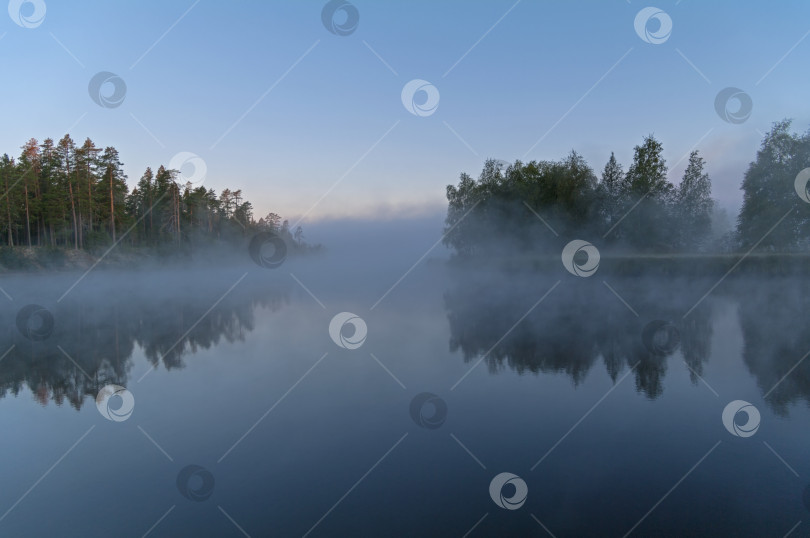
<point x="578" y="325"/>
<point x="776" y="340"/>
<point x="95" y="335"/>
<point x="581" y="323"/>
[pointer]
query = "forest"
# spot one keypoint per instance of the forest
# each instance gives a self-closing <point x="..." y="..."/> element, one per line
<point x="513" y="207"/>
<point x="64" y="195"/>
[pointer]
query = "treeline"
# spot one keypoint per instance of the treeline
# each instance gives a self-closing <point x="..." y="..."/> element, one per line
<point x="65" y="195"/>
<point x="638" y="210"/>
<point x="771" y="195"/>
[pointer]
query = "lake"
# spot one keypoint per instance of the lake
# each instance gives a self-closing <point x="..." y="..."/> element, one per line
<point x="219" y="401"/>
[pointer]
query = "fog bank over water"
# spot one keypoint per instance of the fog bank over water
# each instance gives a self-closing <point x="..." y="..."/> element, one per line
<point x="367" y="256"/>
<point x="396" y="233"/>
<point x="503" y="312"/>
<point x="239" y="370"/>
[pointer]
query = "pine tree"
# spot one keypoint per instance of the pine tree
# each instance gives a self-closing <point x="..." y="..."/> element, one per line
<point x="29" y="169"/>
<point x="113" y="177"/>
<point x="7" y="178"/>
<point x="144" y="202"/>
<point x="52" y="213"/>
<point x="66" y="152"/>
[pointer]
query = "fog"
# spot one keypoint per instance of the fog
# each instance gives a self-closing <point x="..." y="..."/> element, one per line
<point x="231" y="366"/>
<point x="512" y="316"/>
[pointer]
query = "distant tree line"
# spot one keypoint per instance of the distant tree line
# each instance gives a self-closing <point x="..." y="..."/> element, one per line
<point x="60" y="194"/>
<point x="638" y="210"/>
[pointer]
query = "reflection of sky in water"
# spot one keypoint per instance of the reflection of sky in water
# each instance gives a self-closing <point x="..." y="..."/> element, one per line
<point x="601" y="467"/>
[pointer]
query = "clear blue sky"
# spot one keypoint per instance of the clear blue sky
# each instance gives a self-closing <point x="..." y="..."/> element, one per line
<point x="529" y="74"/>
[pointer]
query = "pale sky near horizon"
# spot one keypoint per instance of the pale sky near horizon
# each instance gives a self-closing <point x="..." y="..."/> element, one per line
<point x="308" y="122"/>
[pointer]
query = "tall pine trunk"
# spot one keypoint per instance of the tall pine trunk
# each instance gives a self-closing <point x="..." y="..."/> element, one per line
<point x="27" y="215"/>
<point x="90" y="199"/>
<point x="8" y="212"/>
<point x="73" y="212"/>
<point x="112" y="208"/>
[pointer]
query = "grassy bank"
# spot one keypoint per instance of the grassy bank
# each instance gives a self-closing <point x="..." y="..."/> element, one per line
<point x="36" y="259"/>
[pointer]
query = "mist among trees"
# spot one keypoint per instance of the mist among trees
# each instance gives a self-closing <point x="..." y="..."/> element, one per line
<point x="637" y="210"/>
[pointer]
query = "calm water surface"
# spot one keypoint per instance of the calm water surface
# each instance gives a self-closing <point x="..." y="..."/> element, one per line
<point x="612" y="428"/>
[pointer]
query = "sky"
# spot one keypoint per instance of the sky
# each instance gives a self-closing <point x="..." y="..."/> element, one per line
<point x="300" y="104"/>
